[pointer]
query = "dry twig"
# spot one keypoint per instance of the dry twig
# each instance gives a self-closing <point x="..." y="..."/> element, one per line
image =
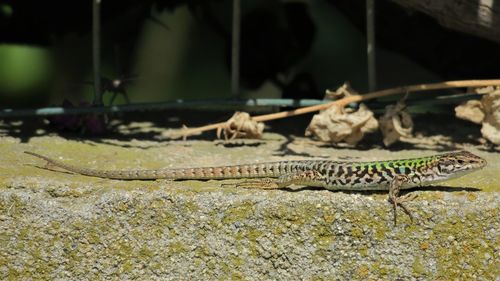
<point x="355" y="98"/>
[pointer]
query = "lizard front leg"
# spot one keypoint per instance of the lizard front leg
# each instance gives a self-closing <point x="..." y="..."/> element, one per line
<point x="395" y="199"/>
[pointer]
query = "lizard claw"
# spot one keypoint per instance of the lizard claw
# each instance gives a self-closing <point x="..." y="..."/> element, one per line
<point x="397" y="200"/>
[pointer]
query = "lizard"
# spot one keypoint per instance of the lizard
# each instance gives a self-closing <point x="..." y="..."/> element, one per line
<point x="387" y="175"/>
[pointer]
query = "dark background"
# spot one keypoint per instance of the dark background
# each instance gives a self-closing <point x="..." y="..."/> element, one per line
<point x="181" y="49"/>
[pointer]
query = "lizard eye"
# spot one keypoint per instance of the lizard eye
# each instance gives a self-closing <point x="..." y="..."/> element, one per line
<point x="446" y="162"/>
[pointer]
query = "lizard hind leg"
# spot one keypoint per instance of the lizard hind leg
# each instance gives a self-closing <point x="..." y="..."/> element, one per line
<point x="307" y="178"/>
<point x="302" y="178"/>
<point x="262" y="183"/>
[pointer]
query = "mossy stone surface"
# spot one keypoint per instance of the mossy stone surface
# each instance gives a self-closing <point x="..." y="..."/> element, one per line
<point x="60" y="226"/>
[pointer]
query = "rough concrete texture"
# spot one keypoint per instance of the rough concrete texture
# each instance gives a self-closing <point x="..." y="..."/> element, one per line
<point x="60" y="226"/>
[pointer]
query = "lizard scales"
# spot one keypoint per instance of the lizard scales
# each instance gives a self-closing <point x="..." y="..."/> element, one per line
<point x="333" y="175"/>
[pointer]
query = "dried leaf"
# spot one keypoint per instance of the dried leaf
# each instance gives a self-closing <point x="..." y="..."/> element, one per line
<point x="395" y="123"/>
<point x="485" y="111"/>
<point x="241" y="125"/>
<point x="491" y="123"/>
<point x="483" y="90"/>
<point x="491" y="133"/>
<point x="336" y="124"/>
<point x="343" y="91"/>
<point x="471" y="110"/>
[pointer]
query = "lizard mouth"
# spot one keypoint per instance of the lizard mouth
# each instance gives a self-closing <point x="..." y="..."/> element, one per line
<point x="482" y="163"/>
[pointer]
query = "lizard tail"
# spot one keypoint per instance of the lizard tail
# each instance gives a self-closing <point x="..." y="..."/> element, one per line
<point x="123" y="175"/>
<point x="220" y="172"/>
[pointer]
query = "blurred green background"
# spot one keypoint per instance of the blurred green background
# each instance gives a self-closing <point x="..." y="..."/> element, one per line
<point x="181" y="50"/>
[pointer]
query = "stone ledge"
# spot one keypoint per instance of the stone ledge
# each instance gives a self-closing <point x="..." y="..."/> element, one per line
<point x="69" y="227"/>
<point x="172" y="230"/>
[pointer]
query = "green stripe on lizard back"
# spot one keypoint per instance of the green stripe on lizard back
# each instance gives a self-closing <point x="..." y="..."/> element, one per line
<point x="423" y="170"/>
<point x="376" y="175"/>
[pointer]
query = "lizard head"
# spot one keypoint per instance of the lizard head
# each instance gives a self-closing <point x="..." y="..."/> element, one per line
<point x="459" y="163"/>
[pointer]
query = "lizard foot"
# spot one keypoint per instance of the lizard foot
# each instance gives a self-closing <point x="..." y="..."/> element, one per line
<point x="397" y="200"/>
